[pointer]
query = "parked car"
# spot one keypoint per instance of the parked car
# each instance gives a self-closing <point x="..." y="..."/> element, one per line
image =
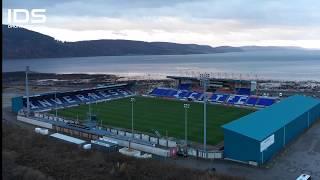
<point x="304" y="177"/>
<point x="182" y="153"/>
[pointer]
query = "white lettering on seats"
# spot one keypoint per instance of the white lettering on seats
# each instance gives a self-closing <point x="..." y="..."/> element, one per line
<point x="44" y="103"/>
<point x="68" y="99"/>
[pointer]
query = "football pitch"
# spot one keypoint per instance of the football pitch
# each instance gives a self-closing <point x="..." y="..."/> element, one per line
<point x="162" y="115"/>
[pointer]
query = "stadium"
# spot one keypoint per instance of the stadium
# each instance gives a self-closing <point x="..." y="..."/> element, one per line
<point x="201" y="117"/>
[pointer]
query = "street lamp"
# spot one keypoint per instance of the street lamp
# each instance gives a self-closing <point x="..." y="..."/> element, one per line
<point x="90" y="117"/>
<point x="132" y="102"/>
<point x="204" y="79"/>
<point x="27" y="91"/>
<point x="55" y="98"/>
<point x="186" y="107"/>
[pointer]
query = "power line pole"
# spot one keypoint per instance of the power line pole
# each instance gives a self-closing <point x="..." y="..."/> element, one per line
<point x="204" y="78"/>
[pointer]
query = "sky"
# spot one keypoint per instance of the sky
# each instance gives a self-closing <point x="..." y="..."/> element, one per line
<point x="209" y="22"/>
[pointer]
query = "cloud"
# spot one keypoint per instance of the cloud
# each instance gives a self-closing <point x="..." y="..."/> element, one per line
<point x="213" y="22"/>
<point x="288" y="12"/>
<point x="215" y="34"/>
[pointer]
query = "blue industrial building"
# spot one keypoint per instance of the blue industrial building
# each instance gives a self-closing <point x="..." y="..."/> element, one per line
<point x="17" y="104"/>
<point x="257" y="137"/>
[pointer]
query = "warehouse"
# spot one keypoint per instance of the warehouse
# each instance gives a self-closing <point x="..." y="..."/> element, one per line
<point x="257" y="137"/>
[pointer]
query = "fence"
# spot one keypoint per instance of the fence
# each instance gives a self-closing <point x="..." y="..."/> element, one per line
<point x="206" y="155"/>
<point x="144" y="137"/>
<point x="162" y="142"/>
<point x="142" y="147"/>
<point x="140" y="136"/>
<point x="34" y="122"/>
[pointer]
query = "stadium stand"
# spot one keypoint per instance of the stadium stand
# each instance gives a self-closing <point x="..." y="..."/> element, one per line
<point x="73" y="98"/>
<point x="237" y="99"/>
<point x="243" y="91"/>
<point x="252" y="101"/>
<point x="184" y="86"/>
<point x="221" y="98"/>
<point x="225" y="91"/>
<point x="183" y="94"/>
<point x="264" y="101"/>
<point x="233" y="99"/>
<point x="179" y="94"/>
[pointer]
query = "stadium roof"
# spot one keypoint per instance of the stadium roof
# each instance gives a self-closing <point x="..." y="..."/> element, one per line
<point x="78" y="90"/>
<point x="261" y="124"/>
<point x="212" y="79"/>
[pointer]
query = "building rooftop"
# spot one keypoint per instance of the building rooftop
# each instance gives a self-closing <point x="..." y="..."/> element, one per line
<point x="261" y="124"/>
<point x="211" y="79"/>
<point x="67" y="138"/>
<point x="79" y="90"/>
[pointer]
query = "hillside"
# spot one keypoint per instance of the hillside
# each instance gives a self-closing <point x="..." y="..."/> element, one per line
<point x="271" y="48"/>
<point x="22" y="43"/>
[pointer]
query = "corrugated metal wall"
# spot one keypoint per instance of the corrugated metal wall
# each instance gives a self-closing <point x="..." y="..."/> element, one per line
<point x="243" y="148"/>
<point x="267" y="154"/>
<point x="17" y="104"/>
<point x="239" y="147"/>
<point x="315" y="113"/>
<point x="292" y="131"/>
<point x="295" y="127"/>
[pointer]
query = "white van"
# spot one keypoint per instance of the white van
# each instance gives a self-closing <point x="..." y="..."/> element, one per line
<point x="304" y="177"/>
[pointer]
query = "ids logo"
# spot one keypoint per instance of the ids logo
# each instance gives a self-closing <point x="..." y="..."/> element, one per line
<point x="25" y="16"/>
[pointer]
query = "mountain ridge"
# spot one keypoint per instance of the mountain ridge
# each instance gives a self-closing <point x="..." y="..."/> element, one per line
<point x="20" y="43"/>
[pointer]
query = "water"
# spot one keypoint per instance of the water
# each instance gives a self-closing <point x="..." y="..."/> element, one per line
<point x="280" y="65"/>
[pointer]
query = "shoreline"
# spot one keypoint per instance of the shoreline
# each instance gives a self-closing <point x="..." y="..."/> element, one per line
<point x="158" y="76"/>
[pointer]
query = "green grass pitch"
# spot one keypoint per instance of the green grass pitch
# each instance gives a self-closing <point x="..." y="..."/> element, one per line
<point x="165" y="116"/>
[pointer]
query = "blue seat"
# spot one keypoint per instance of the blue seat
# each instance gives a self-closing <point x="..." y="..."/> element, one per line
<point x="213" y="98"/>
<point x="243" y="91"/>
<point x="166" y="92"/>
<point x="49" y="101"/>
<point x="172" y="93"/>
<point x="162" y="92"/>
<point x="195" y="95"/>
<point x="252" y="101"/>
<point x="237" y="99"/>
<point x="218" y="97"/>
<point x="184" y="86"/>
<point x="232" y="99"/>
<point x="154" y="91"/>
<point x="182" y="94"/>
<point x="223" y="98"/>
<point x="265" y="101"/>
<point x="198" y="96"/>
